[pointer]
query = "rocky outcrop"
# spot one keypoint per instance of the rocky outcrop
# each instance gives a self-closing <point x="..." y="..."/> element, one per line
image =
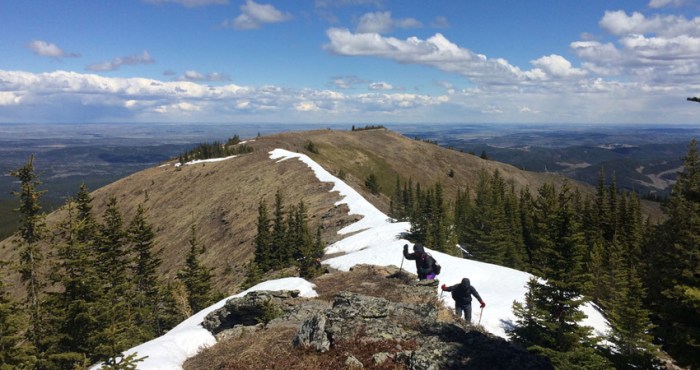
<point x="374" y="332"/>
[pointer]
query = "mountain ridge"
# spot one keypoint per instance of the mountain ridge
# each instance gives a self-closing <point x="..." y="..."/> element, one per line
<point x="221" y="198"/>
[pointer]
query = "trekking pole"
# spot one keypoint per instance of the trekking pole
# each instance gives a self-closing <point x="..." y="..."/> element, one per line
<point x="480" y="313"/>
<point x="401" y="268"/>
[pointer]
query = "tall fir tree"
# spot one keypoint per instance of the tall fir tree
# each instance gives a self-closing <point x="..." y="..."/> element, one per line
<point x="88" y="229"/>
<point x="278" y="251"/>
<point x="74" y="303"/>
<point x="196" y="277"/>
<point x="549" y="320"/>
<point x="118" y="328"/>
<point x="147" y="289"/>
<point x="32" y="230"/>
<point x="263" y="239"/>
<point x="631" y="326"/>
<point x="112" y="256"/>
<point x="14" y="353"/>
<point x="674" y="279"/>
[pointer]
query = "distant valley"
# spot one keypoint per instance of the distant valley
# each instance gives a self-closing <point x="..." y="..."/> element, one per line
<point x="643" y="158"/>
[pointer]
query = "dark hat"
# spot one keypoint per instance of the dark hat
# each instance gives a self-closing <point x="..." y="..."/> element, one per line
<point x="418" y="247"/>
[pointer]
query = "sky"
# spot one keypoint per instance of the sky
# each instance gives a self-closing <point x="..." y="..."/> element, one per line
<point x="350" y="61"/>
<point x="373" y="240"/>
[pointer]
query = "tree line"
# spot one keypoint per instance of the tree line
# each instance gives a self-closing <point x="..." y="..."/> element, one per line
<point x="645" y="275"/>
<point x="92" y="286"/>
<point x="284" y="240"/>
<point x="216" y="149"/>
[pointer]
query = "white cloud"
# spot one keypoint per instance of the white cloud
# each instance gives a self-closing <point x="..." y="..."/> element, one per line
<point x="619" y="23"/>
<point x="253" y="15"/>
<point x="665" y="3"/>
<point x="306" y="106"/>
<point x="380" y="86"/>
<point x="528" y="110"/>
<point x="46" y="49"/>
<point x="190" y="3"/>
<point x="655" y="48"/>
<point x="557" y="66"/>
<point x="436" y="51"/>
<point x="382" y="22"/>
<point x="195" y="76"/>
<point x="114" y="64"/>
<point x="346" y="82"/>
<point x="37" y="95"/>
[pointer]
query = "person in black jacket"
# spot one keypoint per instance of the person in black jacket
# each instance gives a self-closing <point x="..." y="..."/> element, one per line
<point x="425" y="263"/>
<point x="462" y="294"/>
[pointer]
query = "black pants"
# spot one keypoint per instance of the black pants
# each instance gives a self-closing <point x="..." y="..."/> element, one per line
<point x="467" y="309"/>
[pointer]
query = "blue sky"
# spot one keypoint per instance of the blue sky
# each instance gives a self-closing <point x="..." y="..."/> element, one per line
<point x="350" y="61"/>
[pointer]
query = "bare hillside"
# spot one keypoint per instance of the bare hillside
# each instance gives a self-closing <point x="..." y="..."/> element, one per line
<point x="221" y="198"/>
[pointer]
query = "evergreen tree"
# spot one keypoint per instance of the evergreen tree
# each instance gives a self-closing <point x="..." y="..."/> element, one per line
<point x="279" y="253"/>
<point x="311" y="257"/>
<point x="118" y="329"/>
<point x="674" y="282"/>
<point x="112" y="255"/>
<point x="263" y="239"/>
<point x="87" y="231"/>
<point x="552" y="311"/>
<point x="13" y="354"/>
<point x="146" y="285"/>
<point x="32" y="230"/>
<point x="74" y="306"/>
<point x="196" y="277"/>
<point x="631" y="325"/>
<point x="372" y="183"/>
<point x="299" y="239"/>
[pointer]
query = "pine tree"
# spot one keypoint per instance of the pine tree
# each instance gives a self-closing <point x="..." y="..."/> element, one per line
<point x="631" y="325"/>
<point x="112" y="255"/>
<point x="279" y="254"/>
<point x="311" y="257"/>
<point x="118" y="329"/>
<point x="32" y="231"/>
<point x="13" y="354"/>
<point x="196" y="277"/>
<point x="372" y="183"/>
<point x="675" y="282"/>
<point x="73" y="309"/>
<point x="263" y="239"/>
<point x="88" y="229"/>
<point x="146" y="285"/>
<point x="557" y="299"/>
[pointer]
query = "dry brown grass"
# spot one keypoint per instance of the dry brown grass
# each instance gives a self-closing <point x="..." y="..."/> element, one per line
<point x="272" y="349"/>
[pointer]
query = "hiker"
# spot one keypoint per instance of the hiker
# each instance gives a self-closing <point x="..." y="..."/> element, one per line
<point x="425" y="263"/>
<point x="462" y="294"/>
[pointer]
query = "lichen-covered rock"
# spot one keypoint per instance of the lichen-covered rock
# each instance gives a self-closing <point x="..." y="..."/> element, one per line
<point x="312" y="333"/>
<point x="251" y="309"/>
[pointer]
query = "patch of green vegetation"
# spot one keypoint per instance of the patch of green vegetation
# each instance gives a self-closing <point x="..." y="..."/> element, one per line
<point x="364" y="164"/>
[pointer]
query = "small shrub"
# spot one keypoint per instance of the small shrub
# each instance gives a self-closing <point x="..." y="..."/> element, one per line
<point x="372" y="183"/>
<point x="310" y="146"/>
<point x="270" y="311"/>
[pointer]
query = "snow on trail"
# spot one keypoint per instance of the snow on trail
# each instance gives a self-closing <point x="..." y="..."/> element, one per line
<point x="378" y="241"/>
